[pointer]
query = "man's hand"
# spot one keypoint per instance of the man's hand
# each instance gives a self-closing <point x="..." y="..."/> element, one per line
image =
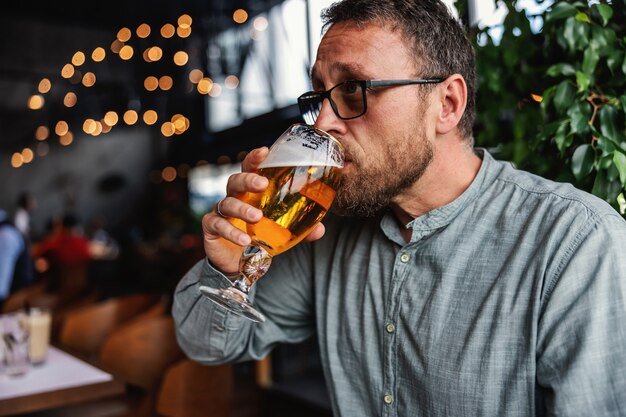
<point x="223" y="242"/>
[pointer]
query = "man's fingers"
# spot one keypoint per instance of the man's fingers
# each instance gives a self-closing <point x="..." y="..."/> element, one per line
<point x="239" y="184"/>
<point x="254" y="158"/>
<point x="216" y="227"/>
<point x="232" y="207"/>
<point x="317" y="233"/>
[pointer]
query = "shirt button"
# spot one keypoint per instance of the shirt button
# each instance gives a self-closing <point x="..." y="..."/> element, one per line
<point x="405" y="257"/>
<point x="390" y="327"/>
<point x="388" y="399"/>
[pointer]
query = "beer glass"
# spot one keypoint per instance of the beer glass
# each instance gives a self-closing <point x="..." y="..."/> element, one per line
<point x="303" y="168"/>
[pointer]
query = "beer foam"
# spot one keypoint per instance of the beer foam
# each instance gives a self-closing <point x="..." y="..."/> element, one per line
<point x="303" y="150"/>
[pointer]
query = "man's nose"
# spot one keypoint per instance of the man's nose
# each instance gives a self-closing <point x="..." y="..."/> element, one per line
<point x="327" y="120"/>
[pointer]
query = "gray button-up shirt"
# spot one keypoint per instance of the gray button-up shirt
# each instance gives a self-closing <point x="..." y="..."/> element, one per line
<point x="509" y="301"/>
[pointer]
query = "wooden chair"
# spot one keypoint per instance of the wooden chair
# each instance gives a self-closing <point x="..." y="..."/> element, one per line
<point x="193" y="390"/>
<point x="26" y="296"/>
<point x="84" y="330"/>
<point x="140" y="352"/>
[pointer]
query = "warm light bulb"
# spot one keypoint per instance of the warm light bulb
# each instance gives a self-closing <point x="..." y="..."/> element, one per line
<point x="89" y="79"/>
<point x="143" y="31"/>
<point x="61" y="128"/>
<point x="195" y="75"/>
<point x="166" y="82"/>
<point x="150" y="117"/>
<point x="168" y="30"/>
<point x="130" y="117"/>
<point x="78" y="58"/>
<point x="126" y="52"/>
<point x="240" y="16"/>
<point x="181" y="58"/>
<point x="151" y="83"/>
<point x="111" y="118"/>
<point x="67" y="71"/>
<point x="123" y="35"/>
<point x="70" y="99"/>
<point x="36" y="102"/>
<point x="44" y="86"/>
<point x="98" y="54"/>
<point x="41" y="133"/>
<point x="184" y="21"/>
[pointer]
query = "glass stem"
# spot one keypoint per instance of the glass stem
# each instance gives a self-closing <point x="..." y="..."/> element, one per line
<point x="253" y="264"/>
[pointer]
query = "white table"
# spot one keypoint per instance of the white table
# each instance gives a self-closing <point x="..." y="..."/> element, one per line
<point x="61" y="380"/>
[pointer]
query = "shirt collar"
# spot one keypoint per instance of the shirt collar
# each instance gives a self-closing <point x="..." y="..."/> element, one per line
<point x="442" y="216"/>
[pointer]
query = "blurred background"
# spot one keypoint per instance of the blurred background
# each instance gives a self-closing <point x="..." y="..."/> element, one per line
<point x="121" y="120"/>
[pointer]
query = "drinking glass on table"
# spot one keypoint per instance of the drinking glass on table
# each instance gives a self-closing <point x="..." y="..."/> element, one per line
<point x="303" y="168"/>
<point x="14" y="338"/>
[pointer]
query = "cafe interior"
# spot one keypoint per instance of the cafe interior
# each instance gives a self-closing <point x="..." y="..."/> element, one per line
<point x="120" y="122"/>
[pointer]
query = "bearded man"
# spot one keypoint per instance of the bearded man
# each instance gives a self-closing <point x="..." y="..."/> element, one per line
<point x="452" y="284"/>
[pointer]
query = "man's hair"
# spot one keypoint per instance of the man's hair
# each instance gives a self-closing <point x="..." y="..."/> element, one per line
<point x="438" y="41"/>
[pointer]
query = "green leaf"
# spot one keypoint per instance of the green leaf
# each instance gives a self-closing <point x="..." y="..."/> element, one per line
<point x="563" y="139"/>
<point x="607" y="146"/>
<point x="582" y="17"/>
<point x="590" y="60"/>
<point x="621" y="202"/>
<point x="603" y="40"/>
<point x="548" y="94"/>
<point x="605" y="163"/>
<point x="608" y="123"/>
<point x="622" y="100"/>
<point x="579" y="114"/>
<point x="601" y="185"/>
<point x="611" y="171"/>
<point x="582" y="161"/>
<point x="613" y="60"/>
<point x="583" y="81"/>
<point x="561" y="10"/>
<point x="548" y="130"/>
<point x="605" y="11"/>
<point x="564" y="95"/>
<point x="620" y="163"/>
<point x="624" y="64"/>
<point x="561" y="69"/>
<point x="569" y="33"/>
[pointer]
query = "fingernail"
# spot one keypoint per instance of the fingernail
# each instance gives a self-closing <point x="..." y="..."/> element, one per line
<point x="255" y="214"/>
<point x="244" y="240"/>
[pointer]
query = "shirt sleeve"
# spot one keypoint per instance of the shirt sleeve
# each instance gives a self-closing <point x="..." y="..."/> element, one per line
<point x="581" y="352"/>
<point x="209" y="334"/>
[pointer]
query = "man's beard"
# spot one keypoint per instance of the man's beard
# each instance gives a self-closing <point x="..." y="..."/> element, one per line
<point x="372" y="187"/>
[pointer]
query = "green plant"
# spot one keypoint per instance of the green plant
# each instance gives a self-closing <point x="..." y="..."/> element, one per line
<point x="554" y="101"/>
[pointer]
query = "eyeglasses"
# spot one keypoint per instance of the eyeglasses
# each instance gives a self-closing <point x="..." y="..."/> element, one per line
<point x="348" y="99"/>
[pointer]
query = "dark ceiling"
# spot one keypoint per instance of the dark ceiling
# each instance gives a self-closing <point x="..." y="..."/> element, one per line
<point x="38" y="37"/>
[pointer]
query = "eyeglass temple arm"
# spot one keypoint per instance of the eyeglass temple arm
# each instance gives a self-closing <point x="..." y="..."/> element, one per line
<point x="389" y="83"/>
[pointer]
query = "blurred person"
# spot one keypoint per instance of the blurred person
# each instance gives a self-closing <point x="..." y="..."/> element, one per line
<point x="22" y="218"/>
<point x="453" y="284"/>
<point x="16" y="269"/>
<point x="102" y="244"/>
<point x="66" y="244"/>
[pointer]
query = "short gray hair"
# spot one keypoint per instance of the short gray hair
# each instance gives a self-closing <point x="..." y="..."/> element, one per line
<point x="438" y="40"/>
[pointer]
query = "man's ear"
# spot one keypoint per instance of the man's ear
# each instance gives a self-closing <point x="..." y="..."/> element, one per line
<point x="453" y="99"/>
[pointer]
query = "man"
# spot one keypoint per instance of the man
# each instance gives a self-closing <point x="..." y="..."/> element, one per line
<point x="16" y="269"/>
<point x="458" y="286"/>
<point x="25" y="205"/>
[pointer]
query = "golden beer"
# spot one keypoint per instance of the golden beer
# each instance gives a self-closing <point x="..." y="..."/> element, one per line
<point x="304" y="170"/>
<point x="296" y="199"/>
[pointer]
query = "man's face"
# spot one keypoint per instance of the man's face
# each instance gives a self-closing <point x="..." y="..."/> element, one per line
<point x="387" y="149"/>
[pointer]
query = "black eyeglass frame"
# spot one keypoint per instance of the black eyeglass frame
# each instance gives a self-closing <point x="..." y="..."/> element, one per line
<point x="364" y="84"/>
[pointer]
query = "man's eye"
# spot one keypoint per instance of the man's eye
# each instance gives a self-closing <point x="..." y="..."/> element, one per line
<point x="350" y="87"/>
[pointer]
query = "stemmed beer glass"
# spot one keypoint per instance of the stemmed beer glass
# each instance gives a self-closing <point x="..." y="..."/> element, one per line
<point x="303" y="168"/>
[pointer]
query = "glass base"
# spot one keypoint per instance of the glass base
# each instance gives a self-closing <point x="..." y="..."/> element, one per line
<point x="234" y="301"/>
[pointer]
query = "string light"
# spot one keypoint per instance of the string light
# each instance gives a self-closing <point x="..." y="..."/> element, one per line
<point x="240" y="16"/>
